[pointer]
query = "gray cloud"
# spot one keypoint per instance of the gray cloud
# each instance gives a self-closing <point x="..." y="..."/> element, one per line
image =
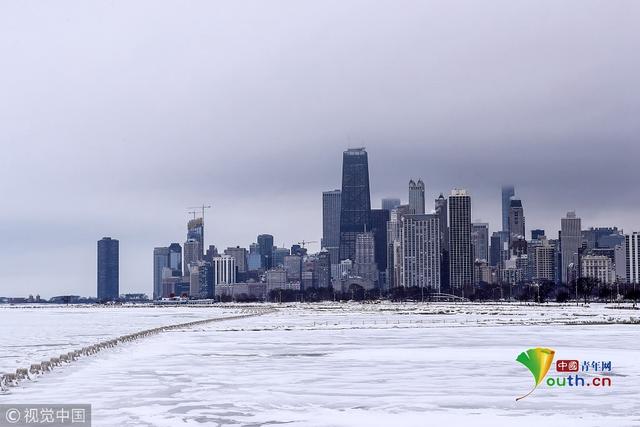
<point x="115" y="117"/>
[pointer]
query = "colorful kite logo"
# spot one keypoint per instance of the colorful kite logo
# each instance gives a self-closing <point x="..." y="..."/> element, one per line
<point x="538" y="360"/>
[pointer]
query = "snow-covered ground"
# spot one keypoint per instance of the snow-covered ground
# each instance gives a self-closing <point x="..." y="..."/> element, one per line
<point x="339" y="365"/>
<point x="32" y="334"/>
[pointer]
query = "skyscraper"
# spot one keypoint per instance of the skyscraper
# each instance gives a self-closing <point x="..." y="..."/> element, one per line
<point x="516" y="220"/>
<point x="331" y="224"/>
<point x="570" y="241"/>
<point x="379" y="220"/>
<point x="323" y="269"/>
<point x="394" y="246"/>
<point x="278" y="256"/>
<point x="192" y="254"/>
<point x="632" y="255"/>
<point x="460" y="262"/>
<point x="224" y="270"/>
<point x="416" y="197"/>
<point x="390" y="203"/>
<point x="496" y="249"/>
<point x="240" y="255"/>
<point x="293" y="266"/>
<point x="160" y="263"/>
<point x="421" y="251"/>
<point x="543" y="259"/>
<point x="108" y="269"/>
<point x="201" y="280"/>
<point x="254" y="259"/>
<point x="365" y="259"/>
<point x="480" y="241"/>
<point x="355" y="206"/>
<point x="195" y="231"/>
<point x="443" y="219"/>
<point x="508" y="191"/>
<point x="175" y="259"/>
<point x="265" y="247"/>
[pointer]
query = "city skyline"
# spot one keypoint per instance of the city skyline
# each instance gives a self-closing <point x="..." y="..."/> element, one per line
<point x="119" y="143"/>
<point x="375" y="205"/>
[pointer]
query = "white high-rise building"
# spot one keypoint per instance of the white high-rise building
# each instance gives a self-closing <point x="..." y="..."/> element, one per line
<point x="632" y="246"/>
<point x="416" y="197"/>
<point x="544" y="261"/>
<point x="598" y="267"/>
<point x="570" y="241"/>
<point x="224" y="270"/>
<point x="420" y="245"/>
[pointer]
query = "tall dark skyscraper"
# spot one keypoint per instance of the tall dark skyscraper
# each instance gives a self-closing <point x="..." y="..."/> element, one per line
<point x="323" y="269"/>
<point x="355" y="209"/>
<point x="108" y="269"/>
<point x="175" y="259"/>
<point x="516" y="220"/>
<point x="495" y="256"/>
<point x="508" y="191"/>
<point x="460" y="255"/>
<point x="331" y="224"/>
<point x="379" y="219"/>
<point x="265" y="246"/>
<point x="443" y="216"/>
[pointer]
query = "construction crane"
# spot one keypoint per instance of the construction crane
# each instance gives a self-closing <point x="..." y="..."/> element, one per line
<point x="203" y="207"/>
<point x="304" y="242"/>
<point x="194" y="211"/>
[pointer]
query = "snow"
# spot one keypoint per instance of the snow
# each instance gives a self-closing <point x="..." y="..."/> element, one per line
<point x="32" y="334"/>
<point x="334" y="365"/>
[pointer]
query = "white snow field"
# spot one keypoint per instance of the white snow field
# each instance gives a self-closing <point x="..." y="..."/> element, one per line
<point x="32" y="334"/>
<point x="336" y="365"/>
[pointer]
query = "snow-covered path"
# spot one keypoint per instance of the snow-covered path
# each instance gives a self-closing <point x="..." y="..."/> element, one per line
<point x="326" y="366"/>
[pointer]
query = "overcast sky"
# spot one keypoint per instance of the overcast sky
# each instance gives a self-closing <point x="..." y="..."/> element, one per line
<point x="117" y="115"/>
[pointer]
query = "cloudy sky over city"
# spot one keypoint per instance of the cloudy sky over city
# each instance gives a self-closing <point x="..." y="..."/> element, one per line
<point x="117" y="116"/>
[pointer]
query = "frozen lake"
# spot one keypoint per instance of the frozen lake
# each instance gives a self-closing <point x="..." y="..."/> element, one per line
<point x="337" y="365"/>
